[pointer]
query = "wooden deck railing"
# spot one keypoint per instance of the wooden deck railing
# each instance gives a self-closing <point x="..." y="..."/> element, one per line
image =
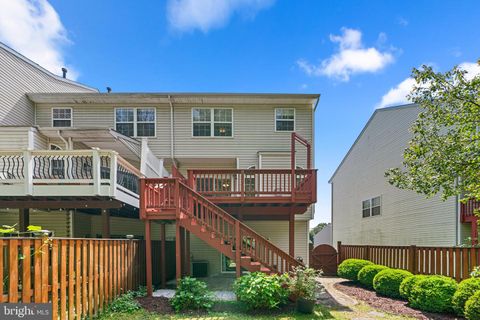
<point x="78" y="276"/>
<point x="453" y="262"/>
<point x="255" y="185"/>
<point x="468" y="209"/>
<point x="169" y="197"/>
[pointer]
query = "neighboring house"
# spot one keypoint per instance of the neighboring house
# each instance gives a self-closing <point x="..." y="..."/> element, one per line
<point x="72" y="163"/>
<point x="323" y="236"/>
<point x="366" y="209"/>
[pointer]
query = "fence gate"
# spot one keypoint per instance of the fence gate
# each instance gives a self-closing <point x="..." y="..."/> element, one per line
<point x="324" y="257"/>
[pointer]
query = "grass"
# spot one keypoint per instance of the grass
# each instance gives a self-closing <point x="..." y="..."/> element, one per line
<point x="236" y="312"/>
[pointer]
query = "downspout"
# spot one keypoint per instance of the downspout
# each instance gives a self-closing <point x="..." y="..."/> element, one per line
<point x="172" y="149"/>
<point x="63" y="139"/>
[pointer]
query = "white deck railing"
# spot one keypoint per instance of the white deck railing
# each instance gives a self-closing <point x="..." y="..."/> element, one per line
<point x="68" y="173"/>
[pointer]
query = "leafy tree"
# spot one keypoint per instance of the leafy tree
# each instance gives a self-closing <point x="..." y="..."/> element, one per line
<point x="443" y="157"/>
<point x="319" y="227"/>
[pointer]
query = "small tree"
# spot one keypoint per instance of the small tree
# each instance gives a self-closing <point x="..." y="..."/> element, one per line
<point x="443" y="156"/>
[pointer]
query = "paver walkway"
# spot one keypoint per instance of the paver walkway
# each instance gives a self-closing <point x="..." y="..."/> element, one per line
<point x="219" y="295"/>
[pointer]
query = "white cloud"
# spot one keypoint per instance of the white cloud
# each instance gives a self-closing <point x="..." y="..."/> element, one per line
<point x="398" y="94"/>
<point x="187" y="15"/>
<point x="402" y="21"/>
<point x="34" y="29"/>
<point x="473" y="69"/>
<point x="351" y="58"/>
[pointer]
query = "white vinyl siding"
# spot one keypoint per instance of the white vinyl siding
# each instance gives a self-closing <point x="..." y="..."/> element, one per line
<point x="17" y="77"/>
<point x="406" y="218"/>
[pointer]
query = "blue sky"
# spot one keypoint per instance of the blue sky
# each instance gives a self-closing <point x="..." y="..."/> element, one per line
<point x="357" y="54"/>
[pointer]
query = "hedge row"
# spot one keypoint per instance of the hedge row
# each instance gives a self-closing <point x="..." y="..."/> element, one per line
<point x="427" y="293"/>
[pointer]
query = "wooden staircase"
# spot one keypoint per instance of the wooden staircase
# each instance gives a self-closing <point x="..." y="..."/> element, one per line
<point x="172" y="198"/>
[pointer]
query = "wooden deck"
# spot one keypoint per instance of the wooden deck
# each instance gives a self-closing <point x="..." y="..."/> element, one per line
<point x="467" y="212"/>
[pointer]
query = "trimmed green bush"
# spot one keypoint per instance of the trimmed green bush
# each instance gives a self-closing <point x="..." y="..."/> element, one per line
<point x="260" y="291"/>
<point x="349" y="268"/>
<point x="367" y="273"/>
<point x="465" y="290"/>
<point x="408" y="283"/>
<point x="472" y="307"/>
<point x="387" y="282"/>
<point x="192" y="294"/>
<point x="433" y="293"/>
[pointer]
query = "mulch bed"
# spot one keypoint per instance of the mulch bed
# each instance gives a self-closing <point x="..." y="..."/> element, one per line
<point x="159" y="305"/>
<point x="387" y="304"/>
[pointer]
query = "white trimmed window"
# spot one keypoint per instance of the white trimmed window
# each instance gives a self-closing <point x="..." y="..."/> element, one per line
<point x="61" y="117"/>
<point x="285" y="119"/>
<point x="212" y="122"/>
<point x="135" y="122"/>
<point x="371" y="207"/>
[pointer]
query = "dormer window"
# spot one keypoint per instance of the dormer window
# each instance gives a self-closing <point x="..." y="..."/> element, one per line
<point x="61" y="117"/>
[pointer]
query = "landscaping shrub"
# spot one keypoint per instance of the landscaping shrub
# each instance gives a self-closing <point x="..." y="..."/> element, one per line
<point x="408" y="283"/>
<point x="349" y="268"/>
<point x="433" y="293"/>
<point x="192" y="294"/>
<point x="260" y="291"/>
<point x="387" y="282"/>
<point x="303" y="283"/>
<point x="465" y="290"/>
<point x="367" y="273"/>
<point x="475" y="272"/>
<point x="125" y="303"/>
<point x="472" y="307"/>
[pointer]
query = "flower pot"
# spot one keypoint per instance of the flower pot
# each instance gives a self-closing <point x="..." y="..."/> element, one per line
<point x="305" y="305"/>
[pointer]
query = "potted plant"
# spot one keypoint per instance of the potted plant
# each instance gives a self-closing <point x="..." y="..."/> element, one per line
<point x="305" y="287"/>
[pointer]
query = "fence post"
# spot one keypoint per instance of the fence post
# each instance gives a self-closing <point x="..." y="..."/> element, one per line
<point x="339" y="250"/>
<point x="366" y="253"/>
<point x="412" y="259"/>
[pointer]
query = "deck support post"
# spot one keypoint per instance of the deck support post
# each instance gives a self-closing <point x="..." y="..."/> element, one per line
<point x="105" y="223"/>
<point x="148" y="257"/>
<point x="187" y="252"/>
<point x="182" y="248"/>
<point x="291" y="235"/>
<point x="238" y="250"/>
<point x="474" y="231"/>
<point x="178" y="252"/>
<point x="162" y="256"/>
<point x="23" y="219"/>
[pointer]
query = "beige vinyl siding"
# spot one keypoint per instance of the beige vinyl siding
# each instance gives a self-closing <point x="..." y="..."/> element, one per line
<point x="56" y="221"/>
<point x="14" y="138"/>
<point x="18" y="77"/>
<point x="40" y="142"/>
<point x="406" y="218"/>
<point x="251" y="133"/>
<point x="277" y="232"/>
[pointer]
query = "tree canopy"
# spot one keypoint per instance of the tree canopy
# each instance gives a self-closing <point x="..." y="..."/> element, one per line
<point x="443" y="156"/>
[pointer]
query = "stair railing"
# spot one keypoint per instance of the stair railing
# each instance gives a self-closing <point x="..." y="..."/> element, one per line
<point x="224" y="227"/>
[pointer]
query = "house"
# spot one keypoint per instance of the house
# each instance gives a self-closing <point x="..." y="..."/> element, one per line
<point x="323" y="236"/>
<point x="88" y="164"/>
<point x="366" y="209"/>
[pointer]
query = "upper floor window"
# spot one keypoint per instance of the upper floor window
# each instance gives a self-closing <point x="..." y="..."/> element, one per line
<point x="135" y="122"/>
<point x="284" y="119"/>
<point x="61" y="117"/>
<point x="371" y="207"/>
<point x="212" y="122"/>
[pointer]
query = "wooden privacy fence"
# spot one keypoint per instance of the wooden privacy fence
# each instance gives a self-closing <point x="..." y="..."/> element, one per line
<point x="78" y="276"/>
<point x="453" y="262"/>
